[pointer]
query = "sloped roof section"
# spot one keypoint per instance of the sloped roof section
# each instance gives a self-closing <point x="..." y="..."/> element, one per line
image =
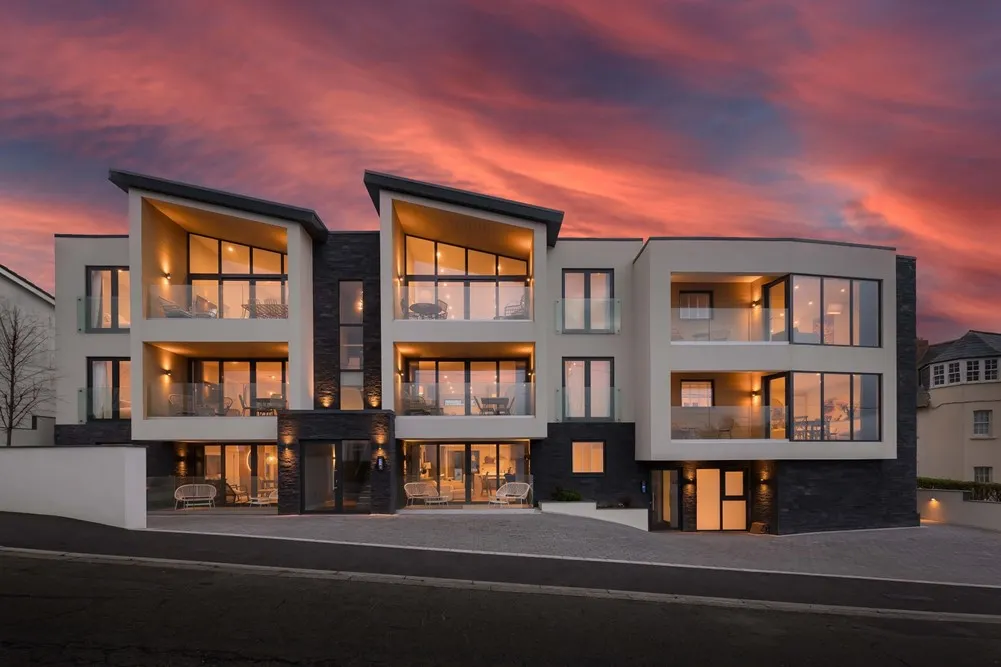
<point x="971" y="345"/>
<point x="306" y="217"/>
<point x="26" y="285"/>
<point x="551" y="218"/>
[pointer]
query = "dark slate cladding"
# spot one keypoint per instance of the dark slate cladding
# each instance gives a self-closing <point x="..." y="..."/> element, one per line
<point x="298" y="428"/>
<point x="159" y="455"/>
<point x="623" y="479"/>
<point x="841" y="495"/>
<point x="345" y="256"/>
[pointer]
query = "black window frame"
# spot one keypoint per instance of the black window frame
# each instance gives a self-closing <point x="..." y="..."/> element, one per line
<point x="587" y="386"/>
<point x="604" y="457"/>
<point x="250" y="278"/>
<point x="791" y="407"/>
<point x="683" y="293"/>
<point x="466" y="279"/>
<point x="252" y="366"/>
<point x="115" y="294"/>
<point x="341" y="324"/>
<point x="587" y="273"/>
<point x="790" y="306"/>
<point x="116" y="396"/>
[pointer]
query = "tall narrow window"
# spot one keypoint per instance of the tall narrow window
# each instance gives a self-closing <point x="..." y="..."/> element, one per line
<point x="352" y="340"/>
<point x="108" y="305"/>
<point x="109" y="383"/>
<point x="588" y="389"/>
<point x="587" y="300"/>
<point x="982" y="423"/>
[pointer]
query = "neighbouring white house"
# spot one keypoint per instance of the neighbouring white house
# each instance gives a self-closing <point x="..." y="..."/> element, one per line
<point x="958" y="402"/>
<point x="36" y="428"/>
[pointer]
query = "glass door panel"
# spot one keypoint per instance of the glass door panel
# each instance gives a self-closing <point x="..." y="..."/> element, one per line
<point x="267" y="467"/>
<point x="707" y="499"/>
<point x="777" y="325"/>
<point x="483" y="467"/>
<point x="355" y="472"/>
<point x="319" y="469"/>
<point x="513" y="463"/>
<point x="482" y="385"/>
<point x="734" y="511"/>
<point x="775" y="397"/>
<point x="238" y="474"/>
<point x="452" y="480"/>
<point x="452" y="387"/>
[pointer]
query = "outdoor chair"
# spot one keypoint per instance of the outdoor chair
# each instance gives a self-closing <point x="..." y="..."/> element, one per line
<point x="264" y="498"/>
<point x="194" y="495"/>
<point x="726" y="427"/>
<point x="510" y="493"/>
<point x="172" y="310"/>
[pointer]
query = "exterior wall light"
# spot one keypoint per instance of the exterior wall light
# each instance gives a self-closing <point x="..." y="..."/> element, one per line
<point x="166" y="372"/>
<point x="756" y="303"/>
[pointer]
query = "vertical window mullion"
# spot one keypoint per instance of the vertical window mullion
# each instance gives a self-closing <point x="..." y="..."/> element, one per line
<point x="823" y="378"/>
<point x="116" y="380"/>
<point x="587" y="389"/>
<point x="851" y="406"/>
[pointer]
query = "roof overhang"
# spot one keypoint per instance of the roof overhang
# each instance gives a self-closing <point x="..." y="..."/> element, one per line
<point x="377" y="182"/>
<point x="310" y="221"/>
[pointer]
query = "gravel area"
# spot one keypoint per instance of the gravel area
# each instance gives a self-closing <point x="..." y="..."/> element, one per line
<point x="937" y="553"/>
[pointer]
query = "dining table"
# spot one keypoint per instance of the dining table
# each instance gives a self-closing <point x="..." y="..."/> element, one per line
<point x="426" y="311"/>
<point x="496" y="405"/>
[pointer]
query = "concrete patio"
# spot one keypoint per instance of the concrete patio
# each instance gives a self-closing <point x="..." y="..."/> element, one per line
<point x="937" y="553"/>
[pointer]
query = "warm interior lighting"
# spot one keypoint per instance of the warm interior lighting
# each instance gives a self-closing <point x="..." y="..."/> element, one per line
<point x="229" y="248"/>
<point x="756" y="393"/>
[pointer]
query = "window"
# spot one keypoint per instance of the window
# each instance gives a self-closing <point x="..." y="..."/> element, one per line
<point x="938" y="375"/>
<point x="248" y="387"/>
<point x="352" y="307"/>
<point x="695" y="305"/>
<point x="232" y="280"/>
<point x="983" y="474"/>
<point x="835" y="406"/>
<point x="109" y="385"/>
<point x="587" y="300"/>
<point x="954" y="376"/>
<point x="108" y="304"/>
<point x="467" y="387"/>
<point x="973" y="371"/>
<point x="588" y="389"/>
<point x="449" y="282"/>
<point x="982" y="423"/>
<point x="696" y="393"/>
<point x="588" y="458"/>
<point x="990" y="369"/>
<point x="835" y="311"/>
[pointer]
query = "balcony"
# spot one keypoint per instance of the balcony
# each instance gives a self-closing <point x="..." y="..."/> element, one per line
<point x="729" y="325"/>
<point x="464" y="300"/>
<point x="226" y="301"/>
<point x="735" y="422"/>
<point x="599" y="404"/>
<point x="483" y="399"/>
<point x="588" y="316"/>
<point x="202" y="399"/>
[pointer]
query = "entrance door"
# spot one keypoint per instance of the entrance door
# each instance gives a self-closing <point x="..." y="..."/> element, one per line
<point x="336" y="477"/>
<point x="666" y="500"/>
<point x="720" y="499"/>
<point x="776" y="407"/>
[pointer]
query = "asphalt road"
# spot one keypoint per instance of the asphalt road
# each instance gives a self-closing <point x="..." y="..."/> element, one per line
<point x="57" y="534"/>
<point x="72" y="613"/>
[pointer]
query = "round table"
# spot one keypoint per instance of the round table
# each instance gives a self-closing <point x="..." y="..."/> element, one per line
<point x="425" y="311"/>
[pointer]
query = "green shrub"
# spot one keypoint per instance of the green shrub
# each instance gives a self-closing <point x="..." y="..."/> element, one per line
<point x="978" y="490"/>
<point x="566" y="495"/>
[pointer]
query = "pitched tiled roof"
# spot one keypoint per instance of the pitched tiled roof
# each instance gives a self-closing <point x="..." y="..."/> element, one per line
<point x="971" y="345"/>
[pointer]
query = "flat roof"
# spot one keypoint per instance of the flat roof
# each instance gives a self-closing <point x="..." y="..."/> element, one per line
<point x="786" y="239"/>
<point x="308" y="218"/>
<point x="551" y="218"/>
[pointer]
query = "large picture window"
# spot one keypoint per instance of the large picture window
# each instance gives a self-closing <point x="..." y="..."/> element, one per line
<point x="233" y="280"/>
<point x="458" y="387"/>
<point x="109" y="386"/>
<point x="835" y="406"/>
<point x="232" y="387"/>
<point x="588" y="389"/>
<point x="587" y="300"/>
<point x="352" y="339"/>
<point x="449" y="282"/>
<point x="835" y="311"/>
<point x="108" y="307"/>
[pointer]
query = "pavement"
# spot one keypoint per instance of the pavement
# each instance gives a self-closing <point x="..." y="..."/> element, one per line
<point x="937" y="553"/>
<point x="54" y="534"/>
<point x="56" y="612"/>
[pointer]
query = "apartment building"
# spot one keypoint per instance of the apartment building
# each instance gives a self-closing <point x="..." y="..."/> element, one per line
<point x="466" y="344"/>
<point x="960" y="392"/>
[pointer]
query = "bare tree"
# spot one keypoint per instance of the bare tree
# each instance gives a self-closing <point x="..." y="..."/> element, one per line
<point x="26" y="373"/>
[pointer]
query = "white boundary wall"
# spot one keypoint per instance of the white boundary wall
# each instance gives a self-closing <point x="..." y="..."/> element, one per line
<point x="104" y="484"/>
<point x="949" y="507"/>
<point x="634" y="518"/>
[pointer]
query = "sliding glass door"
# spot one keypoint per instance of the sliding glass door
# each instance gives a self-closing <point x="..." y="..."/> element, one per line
<point x="467" y="473"/>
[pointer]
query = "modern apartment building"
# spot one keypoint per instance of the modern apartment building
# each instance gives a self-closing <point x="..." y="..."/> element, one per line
<point x="960" y="391"/>
<point x="715" y="381"/>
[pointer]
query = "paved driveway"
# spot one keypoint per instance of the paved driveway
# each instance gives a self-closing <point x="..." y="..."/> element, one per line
<point x="929" y="553"/>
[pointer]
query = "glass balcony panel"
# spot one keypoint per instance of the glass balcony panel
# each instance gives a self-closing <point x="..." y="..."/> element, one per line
<point x="600" y="316"/>
<point x="481" y="301"/>
<point x="750" y="422"/>
<point x="205" y="399"/>
<point x="600" y="403"/>
<point x="728" y="325"/>
<point x="473" y="399"/>
<point x="208" y="299"/>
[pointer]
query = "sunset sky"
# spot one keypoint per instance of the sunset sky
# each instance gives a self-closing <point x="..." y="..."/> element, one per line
<point x="873" y="121"/>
